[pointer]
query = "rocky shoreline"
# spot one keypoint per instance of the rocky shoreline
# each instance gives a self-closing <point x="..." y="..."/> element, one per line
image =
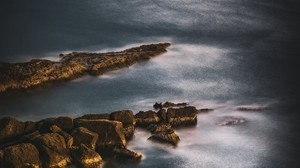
<point x="88" y="140"/>
<point x="38" y="72"/>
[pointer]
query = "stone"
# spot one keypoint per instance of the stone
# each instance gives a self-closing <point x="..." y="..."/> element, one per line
<point x="84" y="136"/>
<point x="204" y="110"/>
<point x="162" y="113"/>
<point x="85" y="157"/>
<point x="68" y="138"/>
<point x="122" y="152"/>
<point x="169" y="137"/>
<point x="10" y="127"/>
<point x="53" y="150"/>
<point x="159" y="128"/>
<point x="21" y="155"/>
<point x="128" y="121"/>
<point x="110" y="132"/>
<point x="146" y="118"/>
<point x="170" y="104"/>
<point x="185" y="116"/>
<point x="29" y="127"/>
<point x="157" y="105"/>
<point x="65" y="123"/>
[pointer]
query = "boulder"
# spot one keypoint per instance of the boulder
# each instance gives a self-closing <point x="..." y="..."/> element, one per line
<point x="159" y="128"/>
<point x="94" y="116"/>
<point x="21" y="155"/>
<point x="122" y="152"/>
<point x="85" y="157"/>
<point x="65" y="123"/>
<point x="184" y="116"/>
<point x="157" y="105"/>
<point x="68" y="138"/>
<point x="10" y="127"/>
<point x="53" y="150"/>
<point x="84" y="136"/>
<point x="146" y="118"/>
<point x="169" y="137"/>
<point x="29" y="127"/>
<point x="128" y="121"/>
<point x="110" y="132"/>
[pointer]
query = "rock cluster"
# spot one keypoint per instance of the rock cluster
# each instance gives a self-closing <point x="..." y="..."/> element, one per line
<point x="73" y="65"/>
<point x="84" y="141"/>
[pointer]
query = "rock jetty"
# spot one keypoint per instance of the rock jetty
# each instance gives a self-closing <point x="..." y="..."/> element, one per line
<point x="88" y="140"/>
<point x="73" y="65"/>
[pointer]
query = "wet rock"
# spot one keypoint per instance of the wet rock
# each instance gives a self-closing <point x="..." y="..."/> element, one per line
<point x="110" y="132"/>
<point x="127" y="119"/>
<point x="10" y="127"/>
<point x="85" y="157"/>
<point x="84" y="136"/>
<point x="53" y="150"/>
<point x="23" y="155"/>
<point x="122" y="152"/>
<point x="204" y="110"/>
<point x="169" y="137"/>
<point x="94" y="116"/>
<point x="185" y="116"/>
<point x="146" y="118"/>
<point x="233" y="121"/>
<point x="68" y="138"/>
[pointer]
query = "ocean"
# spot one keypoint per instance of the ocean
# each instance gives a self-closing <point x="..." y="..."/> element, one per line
<point x="224" y="54"/>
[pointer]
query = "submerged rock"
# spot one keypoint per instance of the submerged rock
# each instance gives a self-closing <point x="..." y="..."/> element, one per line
<point x="20" y="156"/>
<point x="233" y="121"/>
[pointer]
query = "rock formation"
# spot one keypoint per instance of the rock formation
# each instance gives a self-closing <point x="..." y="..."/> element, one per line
<point x="73" y="65"/>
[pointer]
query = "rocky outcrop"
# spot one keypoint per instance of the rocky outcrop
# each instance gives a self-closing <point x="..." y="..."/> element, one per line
<point x="146" y="118"/>
<point x="21" y="155"/>
<point x="74" y="65"/>
<point x="163" y="133"/>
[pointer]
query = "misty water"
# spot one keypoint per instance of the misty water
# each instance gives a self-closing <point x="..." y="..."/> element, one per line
<point x="223" y="55"/>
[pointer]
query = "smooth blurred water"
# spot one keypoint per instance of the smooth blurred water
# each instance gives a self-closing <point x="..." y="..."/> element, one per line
<point x="224" y="54"/>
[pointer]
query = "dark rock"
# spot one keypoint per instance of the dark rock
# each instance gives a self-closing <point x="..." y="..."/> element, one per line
<point x="169" y="137"/>
<point x="68" y="138"/>
<point x="110" y="132"/>
<point x="233" y="121"/>
<point x="84" y="136"/>
<point x="204" y="110"/>
<point x="251" y="108"/>
<point x="157" y="105"/>
<point x="146" y="118"/>
<point x="185" y="116"/>
<point x="127" y="119"/>
<point x="122" y="152"/>
<point x="94" y="116"/>
<point x="162" y="113"/>
<point x="29" y="127"/>
<point x="65" y="123"/>
<point x="85" y="157"/>
<point x="23" y="155"/>
<point x="170" y="104"/>
<point x="53" y="150"/>
<point x="10" y="127"/>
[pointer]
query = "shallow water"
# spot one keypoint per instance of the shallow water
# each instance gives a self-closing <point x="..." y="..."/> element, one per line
<point x="224" y="54"/>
